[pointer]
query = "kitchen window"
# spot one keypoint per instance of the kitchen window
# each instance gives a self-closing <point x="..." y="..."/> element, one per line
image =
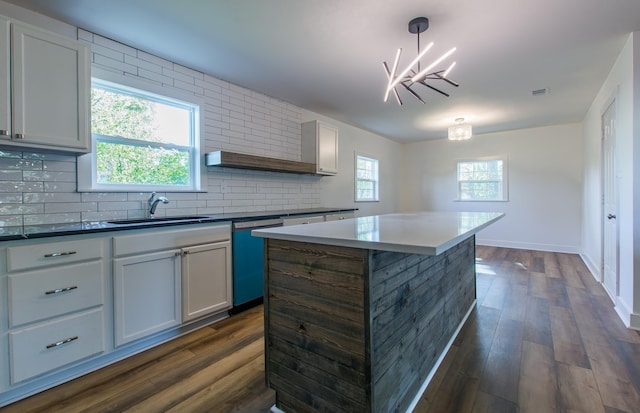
<point x="366" y="179"/>
<point x="141" y="141"/>
<point x="482" y="180"/>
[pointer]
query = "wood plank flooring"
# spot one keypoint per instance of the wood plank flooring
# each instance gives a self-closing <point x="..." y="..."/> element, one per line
<point x="544" y="338"/>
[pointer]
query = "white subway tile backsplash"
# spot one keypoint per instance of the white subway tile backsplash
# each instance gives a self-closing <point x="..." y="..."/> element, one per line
<point x="113" y="45"/>
<point x="10" y="220"/>
<point x="114" y="64"/>
<point x="59" y="186"/>
<point x="187" y="87"/>
<point x="51" y="197"/>
<point x="143" y="64"/>
<point x="15" y="175"/>
<point x="21" y="164"/>
<point x="154" y="59"/>
<point x="104" y="197"/>
<point x="115" y="206"/>
<point x="21" y="186"/>
<point x="97" y="49"/>
<point x="51" y="176"/>
<point x="21" y="209"/>
<point x="59" y="166"/>
<point x="8" y="198"/>
<point x="55" y="207"/>
<point x="51" y="218"/>
<point x="189" y="72"/>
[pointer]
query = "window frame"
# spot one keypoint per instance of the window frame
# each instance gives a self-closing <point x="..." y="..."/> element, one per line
<point x="376" y="182"/>
<point x="504" y="182"/>
<point x="87" y="163"/>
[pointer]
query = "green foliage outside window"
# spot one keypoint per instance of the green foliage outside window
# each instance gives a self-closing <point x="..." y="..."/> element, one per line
<point x="126" y="122"/>
<point x="481" y="180"/>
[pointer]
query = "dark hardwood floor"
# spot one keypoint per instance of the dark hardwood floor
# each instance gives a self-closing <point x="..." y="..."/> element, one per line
<point x="543" y="338"/>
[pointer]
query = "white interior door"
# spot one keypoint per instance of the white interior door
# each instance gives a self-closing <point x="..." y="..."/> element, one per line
<point x="610" y="202"/>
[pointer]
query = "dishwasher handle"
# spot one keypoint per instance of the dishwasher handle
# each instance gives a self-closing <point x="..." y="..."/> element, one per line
<point x="261" y="223"/>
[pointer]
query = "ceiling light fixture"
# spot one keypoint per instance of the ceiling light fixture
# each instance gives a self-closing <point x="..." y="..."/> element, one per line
<point x="460" y="131"/>
<point x="409" y="77"/>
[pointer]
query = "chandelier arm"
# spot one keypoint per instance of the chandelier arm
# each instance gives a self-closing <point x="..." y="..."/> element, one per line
<point x="422" y="82"/>
<point x="449" y="81"/>
<point x="389" y="76"/>
<point x="395" y="92"/>
<point x="413" y="93"/>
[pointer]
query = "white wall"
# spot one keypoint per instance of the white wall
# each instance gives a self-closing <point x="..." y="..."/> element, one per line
<point x="339" y="190"/>
<point x="623" y="83"/>
<point x="545" y="184"/>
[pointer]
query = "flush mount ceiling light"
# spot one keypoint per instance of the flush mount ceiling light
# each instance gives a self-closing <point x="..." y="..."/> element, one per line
<point x="423" y="76"/>
<point x="460" y="131"/>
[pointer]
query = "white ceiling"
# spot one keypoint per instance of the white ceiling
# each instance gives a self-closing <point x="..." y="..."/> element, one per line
<point x="326" y="55"/>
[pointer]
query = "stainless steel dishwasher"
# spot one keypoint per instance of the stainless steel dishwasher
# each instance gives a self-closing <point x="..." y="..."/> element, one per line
<point x="248" y="262"/>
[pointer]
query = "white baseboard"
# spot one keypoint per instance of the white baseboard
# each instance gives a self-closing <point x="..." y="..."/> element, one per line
<point x="626" y="314"/>
<point x="569" y="249"/>
<point x="426" y="382"/>
<point x="592" y="267"/>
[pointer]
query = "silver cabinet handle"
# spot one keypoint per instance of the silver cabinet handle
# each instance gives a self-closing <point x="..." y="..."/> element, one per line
<point x="61" y="342"/>
<point x="19" y="136"/>
<point x="4" y="132"/>
<point x="61" y="290"/>
<point x="60" y="254"/>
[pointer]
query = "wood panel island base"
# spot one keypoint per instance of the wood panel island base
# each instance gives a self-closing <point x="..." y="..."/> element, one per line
<point x="360" y="312"/>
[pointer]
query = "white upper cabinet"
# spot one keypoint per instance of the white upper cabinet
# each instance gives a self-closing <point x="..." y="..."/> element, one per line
<point x="46" y="92"/>
<point x="320" y="146"/>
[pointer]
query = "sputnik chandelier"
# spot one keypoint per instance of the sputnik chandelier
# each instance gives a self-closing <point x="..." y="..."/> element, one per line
<point x="409" y="77"/>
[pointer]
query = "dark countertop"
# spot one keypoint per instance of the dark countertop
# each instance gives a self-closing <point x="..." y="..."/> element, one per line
<point x="54" y="230"/>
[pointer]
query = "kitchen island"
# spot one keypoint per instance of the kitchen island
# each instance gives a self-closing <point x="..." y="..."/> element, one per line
<point x="360" y="312"/>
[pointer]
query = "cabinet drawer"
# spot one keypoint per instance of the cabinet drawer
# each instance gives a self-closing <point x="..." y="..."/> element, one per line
<point x="39" y="349"/>
<point x="303" y="220"/>
<point x="156" y="240"/>
<point x="37" y="295"/>
<point x="339" y="216"/>
<point x="52" y="253"/>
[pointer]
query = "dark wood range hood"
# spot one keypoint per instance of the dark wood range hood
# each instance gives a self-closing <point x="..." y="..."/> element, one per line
<point x="261" y="163"/>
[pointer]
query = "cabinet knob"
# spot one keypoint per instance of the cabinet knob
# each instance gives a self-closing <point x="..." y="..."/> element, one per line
<point x="19" y="136"/>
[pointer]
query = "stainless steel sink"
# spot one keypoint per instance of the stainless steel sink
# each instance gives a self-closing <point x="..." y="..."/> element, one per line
<point x="153" y="220"/>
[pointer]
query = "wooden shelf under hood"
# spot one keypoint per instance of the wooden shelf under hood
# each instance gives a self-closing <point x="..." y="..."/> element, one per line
<point x="261" y="163"/>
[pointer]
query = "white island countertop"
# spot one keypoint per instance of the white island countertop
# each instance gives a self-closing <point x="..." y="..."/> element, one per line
<point x="427" y="233"/>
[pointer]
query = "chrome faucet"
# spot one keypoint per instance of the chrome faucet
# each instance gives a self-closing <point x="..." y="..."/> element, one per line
<point x="153" y="204"/>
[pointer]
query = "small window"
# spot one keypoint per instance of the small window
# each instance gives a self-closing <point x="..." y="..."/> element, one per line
<point x="366" y="179"/>
<point x="141" y="141"/>
<point x="482" y="180"/>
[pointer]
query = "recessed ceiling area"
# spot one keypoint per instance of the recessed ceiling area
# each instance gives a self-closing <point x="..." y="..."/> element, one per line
<point x="326" y="56"/>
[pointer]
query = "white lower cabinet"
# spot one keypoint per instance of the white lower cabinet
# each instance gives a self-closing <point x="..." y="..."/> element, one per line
<point x="146" y="294"/>
<point x="42" y="348"/>
<point x="206" y="289"/>
<point x="55" y="312"/>
<point x="72" y="304"/>
<point x="165" y="277"/>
